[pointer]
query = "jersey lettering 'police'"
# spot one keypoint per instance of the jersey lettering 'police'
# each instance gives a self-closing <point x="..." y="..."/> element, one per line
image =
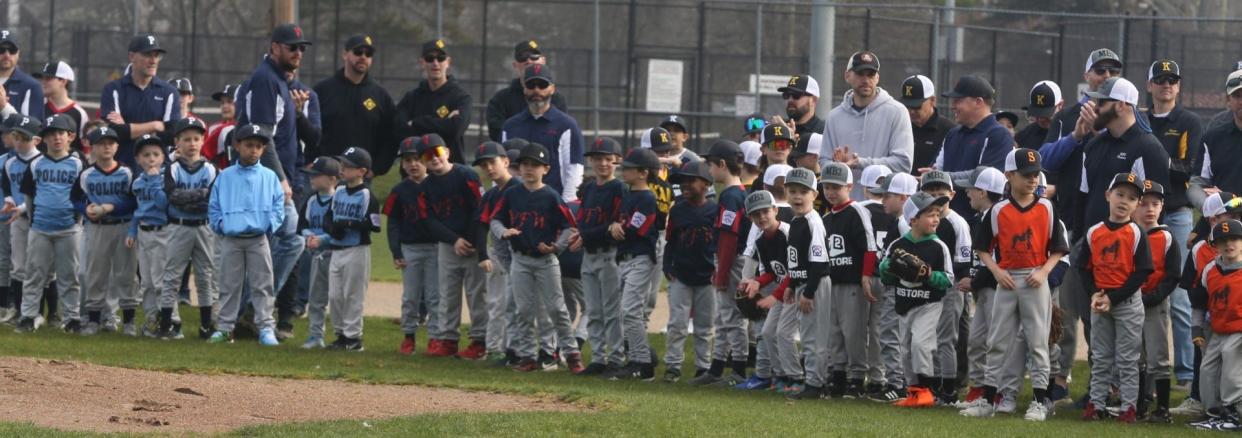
<point x="180" y="176"/>
<point x="806" y="250"/>
<point x="110" y="187"/>
<point x="850" y="238"/>
<point x="54" y="196"/>
<point x="314" y="213"/>
<point x="955" y="232"/>
<point x="690" y="255"/>
<point x="936" y="254"/>
<point x="152" y="199"/>
<point x="770" y="251"/>
<point x="601" y="205"/>
<point x="540" y="215"/>
<point x="14" y="173"/>
<point x="357" y="206"/>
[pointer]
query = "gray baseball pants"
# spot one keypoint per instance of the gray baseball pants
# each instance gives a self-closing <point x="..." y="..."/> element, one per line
<point x="683" y="301"/>
<point x="419" y="283"/>
<point x="636" y="272"/>
<point x="460" y="275"/>
<point x="813" y="327"/>
<point x="918" y="340"/>
<point x="847" y="330"/>
<point x="1025" y="310"/>
<point x="317" y="302"/>
<point x="602" y="295"/>
<point x="250" y="264"/>
<point x="189" y="244"/>
<point x="110" y="268"/>
<point x="56" y="251"/>
<point x="535" y="282"/>
<point x="1116" y="343"/>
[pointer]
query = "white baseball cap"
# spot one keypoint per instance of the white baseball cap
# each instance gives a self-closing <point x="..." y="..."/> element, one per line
<point x="1234" y="81"/>
<point x="901" y="183"/>
<point x="1116" y="88"/>
<point x="873" y="175"/>
<point x="58" y="69"/>
<point x="775" y="171"/>
<point x="1213" y="205"/>
<point x="751" y="151"/>
<point x="986" y="178"/>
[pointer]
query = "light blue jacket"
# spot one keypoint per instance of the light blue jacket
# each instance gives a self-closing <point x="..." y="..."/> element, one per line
<point x="246" y="200"/>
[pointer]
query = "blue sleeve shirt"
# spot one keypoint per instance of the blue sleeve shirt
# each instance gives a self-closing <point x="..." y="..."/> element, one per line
<point x="246" y="200"/>
<point x="110" y="187"/>
<point x="152" y="201"/>
<point x="55" y="196"/>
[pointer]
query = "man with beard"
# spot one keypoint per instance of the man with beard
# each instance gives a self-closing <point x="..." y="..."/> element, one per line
<point x="439" y="105"/>
<point x="1045" y="100"/>
<point x="801" y="94"/>
<point x="918" y="94"/>
<point x="138" y="103"/>
<point x="544" y="124"/>
<point x="511" y="100"/>
<point x="869" y="127"/>
<point x="22" y="90"/>
<point x="1124" y="145"/>
<point x="357" y="110"/>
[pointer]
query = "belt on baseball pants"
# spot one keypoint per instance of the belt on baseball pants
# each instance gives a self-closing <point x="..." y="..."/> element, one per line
<point x="108" y="221"/>
<point x="599" y="249"/>
<point x="150" y="227"/>
<point x="187" y="222"/>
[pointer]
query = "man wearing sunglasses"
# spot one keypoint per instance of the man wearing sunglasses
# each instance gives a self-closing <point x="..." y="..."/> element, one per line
<point x="511" y="100"/>
<point x="801" y="95"/>
<point x="439" y="105"/>
<point x="545" y="124"/>
<point x="929" y="127"/>
<point x="870" y="126"/>
<point x="356" y="110"/>
<point x="20" y="89"/>
<point x="138" y="103"/>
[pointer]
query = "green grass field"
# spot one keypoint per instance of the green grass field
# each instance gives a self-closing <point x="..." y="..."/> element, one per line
<point x="615" y="408"/>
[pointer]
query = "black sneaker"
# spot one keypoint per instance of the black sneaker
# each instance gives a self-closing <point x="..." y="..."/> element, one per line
<point x="1160" y="415"/>
<point x="73" y="326"/>
<point x="672" y="375"/>
<point x="808" y="393"/>
<point x="853" y="391"/>
<point x="887" y="394"/>
<point x="510" y="360"/>
<point x="339" y="344"/>
<point x="633" y="370"/>
<point x="25" y="325"/>
<point x="353" y="344"/>
<point x="594" y="369"/>
<point x="205" y="332"/>
<point x="547" y="361"/>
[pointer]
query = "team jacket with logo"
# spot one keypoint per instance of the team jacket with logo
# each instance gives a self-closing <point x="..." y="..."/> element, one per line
<point x="638" y="218"/>
<point x="601" y="205"/>
<point x="731" y="223"/>
<point x="1214" y="293"/>
<point x="1164" y="257"/>
<point x="936" y="254"/>
<point x="1021" y="237"/>
<point x="246" y="200"/>
<point x="1117" y="259"/>
<point x="353" y="217"/>
<point x="193" y="176"/>
<point x="541" y="215"/>
<point x="772" y="253"/>
<point x="311" y="222"/>
<point x="690" y="255"/>
<point x="152" y="201"/>
<point x="53" y="193"/>
<point x="110" y="186"/>
<point x="808" y="258"/>
<point x="14" y="173"/>
<point x="851" y="243"/>
<point x="454" y="199"/>
<point x="955" y="232"/>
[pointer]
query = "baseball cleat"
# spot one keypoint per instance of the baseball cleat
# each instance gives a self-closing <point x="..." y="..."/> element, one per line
<point x="526" y="366"/>
<point x="888" y="394"/>
<point x="672" y="375"/>
<point x="220" y="337"/>
<point x="1189" y="407"/>
<point x="129" y="329"/>
<point x="267" y="338"/>
<point x="808" y="392"/>
<point x="574" y="362"/>
<point x="477" y="350"/>
<point x="91" y="329"/>
<point x="1008" y="403"/>
<point x="25" y="325"/>
<point x="706" y="379"/>
<point x="753" y="383"/>
<point x="1160" y="416"/>
<point x="407" y="346"/>
<point x="312" y="343"/>
<point x="1038" y="412"/>
<point x="980" y="409"/>
<point x="72" y="326"/>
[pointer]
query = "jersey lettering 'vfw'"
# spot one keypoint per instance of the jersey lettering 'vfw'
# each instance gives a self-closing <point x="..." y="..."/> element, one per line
<point x="454" y="199"/>
<point x="807" y="257"/>
<point x="110" y="187"/>
<point x="851" y="243"/>
<point x="194" y="176"/>
<point x="601" y="207"/>
<point x="541" y="215"/>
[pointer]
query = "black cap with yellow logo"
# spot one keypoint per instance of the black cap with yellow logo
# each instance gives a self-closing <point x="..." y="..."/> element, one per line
<point x="526" y="48"/>
<point x="434" y="46"/>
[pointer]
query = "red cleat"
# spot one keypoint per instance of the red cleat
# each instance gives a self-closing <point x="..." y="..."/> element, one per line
<point x="574" y="360"/>
<point x="407" y="347"/>
<point x="975" y="393"/>
<point x="477" y="350"/>
<point x="441" y="348"/>
<point x="1128" y="417"/>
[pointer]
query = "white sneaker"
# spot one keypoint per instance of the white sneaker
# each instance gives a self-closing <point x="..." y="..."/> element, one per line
<point x="1189" y="407"/>
<point x="313" y="343"/>
<point x="963" y="404"/>
<point x="1008" y="403"/>
<point x="129" y="330"/>
<point x="1037" y="412"/>
<point x="38" y="321"/>
<point x="982" y="410"/>
<point x="8" y="315"/>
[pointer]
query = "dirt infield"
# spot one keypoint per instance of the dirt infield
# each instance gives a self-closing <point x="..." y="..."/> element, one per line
<point x="85" y="397"/>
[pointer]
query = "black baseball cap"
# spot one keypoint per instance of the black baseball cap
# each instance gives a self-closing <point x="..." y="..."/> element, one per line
<point x="674" y="120"/>
<point x="227" y="91"/>
<point x="183" y="85"/>
<point x="693" y="169"/>
<point x="972" y="86"/>
<point x="11" y="120"/>
<point x="428" y="141"/>
<point x="1164" y="67"/>
<point x="641" y="158"/>
<point x="524" y="48"/>
<point x="537" y="71"/>
<point x="1153" y="188"/>
<point x="775" y="132"/>
<point x="803" y="84"/>
<point x="101" y="133"/>
<point x="27" y="125"/>
<point x="359" y="40"/>
<point x="1229" y="228"/>
<point x="145" y="43"/>
<point x="1008" y="115"/>
<point x="324" y="165"/>
<point x="1127" y="178"/>
<point x="408" y="146"/>
<point x="657" y="139"/>
<point x="59" y="122"/>
<point x="8" y="37"/>
<point x="261" y="132"/>
<point x="725" y="150"/>
<point x="515" y="144"/>
<point x="433" y="46"/>
<point x="356" y="157"/>
<point x="915" y="90"/>
<point x="188" y="123"/>
<point x="534" y="152"/>
<point x="1024" y="161"/>
<point x="604" y="146"/>
<point x="1044" y="98"/>
<point x="148" y="140"/>
<point x="754" y="123"/>
<point x="487" y="151"/>
<point x="863" y="60"/>
<point x="289" y="34"/>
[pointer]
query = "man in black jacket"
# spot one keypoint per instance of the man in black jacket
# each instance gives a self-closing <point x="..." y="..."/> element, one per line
<point x="918" y="94"/>
<point x="439" y="105"/>
<point x="1045" y="101"/>
<point x="357" y="110"/>
<point x="511" y="100"/>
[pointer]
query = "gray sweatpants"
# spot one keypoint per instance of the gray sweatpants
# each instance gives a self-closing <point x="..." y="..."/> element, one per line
<point x="731" y="340"/>
<point x="778" y="338"/>
<point x="536" y="282"/>
<point x="6" y="255"/>
<point x="19" y="235"/>
<point x="1156" y="341"/>
<point x="1072" y="299"/>
<point x="602" y="295"/>
<point x="317" y="300"/>
<point x="1019" y="359"/>
<point x="813" y="327"/>
<point x="190" y="245"/>
<point x="683" y="301"/>
<point x="890" y="339"/>
<point x="460" y="275"/>
<point x="635" y="283"/>
<point x="1221" y="357"/>
<point x="110" y="267"/>
<point x="1116" y="343"/>
<point x="249" y="264"/>
<point x="151" y="247"/>
<point x="946" y="333"/>
<point x="419" y="282"/>
<point x="349" y="273"/>
<point x="47" y="252"/>
<point x="977" y="349"/>
<point x="543" y="323"/>
<point x="918" y="340"/>
<point x="847" y="330"/>
<point x="1025" y="309"/>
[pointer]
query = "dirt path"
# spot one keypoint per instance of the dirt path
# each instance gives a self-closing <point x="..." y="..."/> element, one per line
<point x="85" y="397"/>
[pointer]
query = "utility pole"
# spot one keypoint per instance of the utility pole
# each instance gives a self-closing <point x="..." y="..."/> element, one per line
<point x="823" y="30"/>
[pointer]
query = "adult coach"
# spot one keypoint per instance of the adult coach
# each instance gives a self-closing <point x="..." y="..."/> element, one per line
<point x="356" y="110"/>
<point x="869" y="127"/>
<point x="22" y="90"/>
<point x="1125" y="145"/>
<point x="1043" y="103"/>
<point x="140" y="103"/>
<point x="928" y="126"/>
<point x="801" y="95"/>
<point x="544" y="124"/>
<point x="978" y="140"/>
<point x="511" y="100"/>
<point x="439" y="105"/>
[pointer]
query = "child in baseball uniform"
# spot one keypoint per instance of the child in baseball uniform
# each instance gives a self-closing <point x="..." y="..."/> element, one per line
<point x="54" y="200"/>
<point x="110" y="265"/>
<point x="492" y="159"/>
<point x="148" y="231"/>
<point x="920" y="288"/>
<point x="412" y="246"/>
<point x="10" y="310"/>
<point x="885" y="227"/>
<point x="1165" y="256"/>
<point x="894" y="190"/>
<point x="1217" y="329"/>
<point x="689" y="266"/>
<point x="324" y="173"/>
<point x="984" y="189"/>
<point x="955" y="232"/>
<point x="354" y="215"/>
<point x="770" y="372"/>
<point x="24" y="133"/>
<point x="188" y="182"/>
<point x="635" y="234"/>
<point x="1028" y="240"/>
<point x="659" y="141"/>
<point x="852" y="262"/>
<point x="783" y="369"/>
<point x="807" y="264"/>
<point x="1116" y="261"/>
<point x="601" y="203"/>
<point x="538" y="224"/>
<point x="246" y="206"/>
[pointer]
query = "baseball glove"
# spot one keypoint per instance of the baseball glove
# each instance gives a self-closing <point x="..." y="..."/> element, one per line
<point x="190" y="200"/>
<point x="749" y="307"/>
<point x="1054" y="328"/>
<point x="908" y="267"/>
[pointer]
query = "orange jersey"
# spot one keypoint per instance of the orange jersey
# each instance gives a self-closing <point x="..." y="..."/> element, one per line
<point x="1224" y="306"/>
<point x="1161" y="243"/>
<point x="1112" y="253"/>
<point x="1203" y="253"/>
<point x="1021" y="237"/>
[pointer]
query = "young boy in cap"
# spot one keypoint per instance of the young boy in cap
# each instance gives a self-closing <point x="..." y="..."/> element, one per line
<point x="895" y="189"/>
<point x="1217" y="327"/>
<point x="324" y="173"/>
<point x="412" y="245"/>
<point x="781" y="368"/>
<point x="807" y="264"/>
<point x="761" y="350"/>
<point x="689" y="266"/>
<point x="635" y="234"/>
<point x="984" y="188"/>
<point x="148" y="231"/>
<point x="852" y="262"/>
<point x="188" y="182"/>
<point x="215" y="146"/>
<point x="537" y="224"/>
<point x="659" y="141"/>
<point x="496" y="260"/>
<point x="57" y="78"/>
<point x="1166" y="271"/>
<point x="110" y="265"/>
<point x="601" y="206"/>
<point x="246" y="206"/>
<point x="955" y="232"/>
<point x="24" y="135"/>
<point x="1028" y="239"/>
<point x="10" y="310"/>
<point x="777" y="143"/>
<point x="885" y="227"/>
<point x="919" y="293"/>
<point x="354" y="215"/>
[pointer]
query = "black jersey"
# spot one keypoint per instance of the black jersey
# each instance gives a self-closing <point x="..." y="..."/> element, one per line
<point x="851" y="243"/>
<point x="935" y="253"/>
<point x="808" y="258"/>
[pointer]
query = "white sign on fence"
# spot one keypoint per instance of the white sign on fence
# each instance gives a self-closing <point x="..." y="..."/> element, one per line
<point x="664" y="83"/>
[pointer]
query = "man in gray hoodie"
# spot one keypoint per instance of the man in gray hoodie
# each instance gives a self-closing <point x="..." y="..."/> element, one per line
<point x="869" y="127"/>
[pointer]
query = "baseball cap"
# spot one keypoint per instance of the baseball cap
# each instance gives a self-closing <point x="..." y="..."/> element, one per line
<point x="639" y="158"/>
<point x="835" y="173"/>
<point x="183" y="85"/>
<point x="1045" y="96"/>
<point x="537" y="71"/>
<point x="985" y="178"/>
<point x="1127" y="179"/>
<point x="59" y="122"/>
<point x="9" y="38"/>
<point x="524" y="48"/>
<point x="512" y="144"/>
<point x="1023" y="160"/>
<point x="901" y="183"/>
<point x="324" y="165"/>
<point x="657" y="139"/>
<point x="101" y="133"/>
<point x="1008" y="115"/>
<point x="148" y="140"/>
<point x="873" y="176"/>
<point x="227" y="91"/>
<point x="1153" y="188"/>
<point x="1102" y="55"/>
<point x="693" y="169"/>
<point x="427" y="142"/>
<point x="144" y="43"/>
<point x="289" y="34"/>
<point x="188" y="123"/>
<point x="934" y="177"/>
<point x="1234" y="82"/>
<point x="916" y="89"/>
<point x="775" y="132"/>
<point x="804" y="84"/>
<point x="356" y="157"/>
<point x="759" y="200"/>
<point x="775" y="171"/>
<point x="488" y="150"/>
<point x="920" y="202"/>
<point x="261" y="132"/>
<point x="674" y="120"/>
<point x="604" y="146"/>
<point x="1229" y="228"/>
<point x="1164" y="67"/>
<point x="534" y="152"/>
<point x="408" y="146"/>
<point x="513" y="155"/>
<point x="11" y="120"/>
<point x="808" y="145"/>
<point x="58" y="69"/>
<point x="725" y="150"/>
<point x="359" y="40"/>
<point x="754" y="123"/>
<point x="863" y="60"/>
<point x="800" y="176"/>
<point x="751" y="152"/>
<point x="433" y="46"/>
<point x="972" y="86"/>
<point x="1116" y="88"/>
<point x="1214" y="204"/>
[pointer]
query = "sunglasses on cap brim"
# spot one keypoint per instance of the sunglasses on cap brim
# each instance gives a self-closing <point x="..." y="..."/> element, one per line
<point x="430" y="154"/>
<point x="780" y="144"/>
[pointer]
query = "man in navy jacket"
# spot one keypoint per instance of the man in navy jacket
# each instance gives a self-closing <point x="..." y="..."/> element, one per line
<point x="139" y="103"/>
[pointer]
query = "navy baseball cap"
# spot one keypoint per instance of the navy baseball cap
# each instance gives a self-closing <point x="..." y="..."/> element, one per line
<point x="7" y="124"/>
<point x="641" y="158"/>
<point x="674" y="120"/>
<point x="227" y="91"/>
<point x="7" y="37"/>
<point x="26" y="125"/>
<point x="325" y="165"/>
<point x="971" y="86"/>
<point x="189" y="123"/>
<point x="754" y="123"/>
<point x="537" y="71"/>
<point x="524" y="48"/>
<point x="428" y="141"/>
<point x="691" y="170"/>
<point x="183" y="85"/>
<point x="260" y="132"/>
<point x="356" y="157"/>
<point x="725" y="150"/>
<point x="144" y="43"/>
<point x="101" y="133"/>
<point x="59" y="122"/>
<point x="289" y="34"/>
<point x="148" y="140"/>
<point x="604" y="146"/>
<point x="515" y="144"/>
<point x="409" y="146"/>
<point x="534" y="152"/>
<point x="487" y="151"/>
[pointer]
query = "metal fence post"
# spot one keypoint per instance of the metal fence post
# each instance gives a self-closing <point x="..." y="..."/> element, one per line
<point x="595" y="73"/>
<point x="758" y="56"/>
<point x="439" y="18"/>
<point x="935" y="45"/>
